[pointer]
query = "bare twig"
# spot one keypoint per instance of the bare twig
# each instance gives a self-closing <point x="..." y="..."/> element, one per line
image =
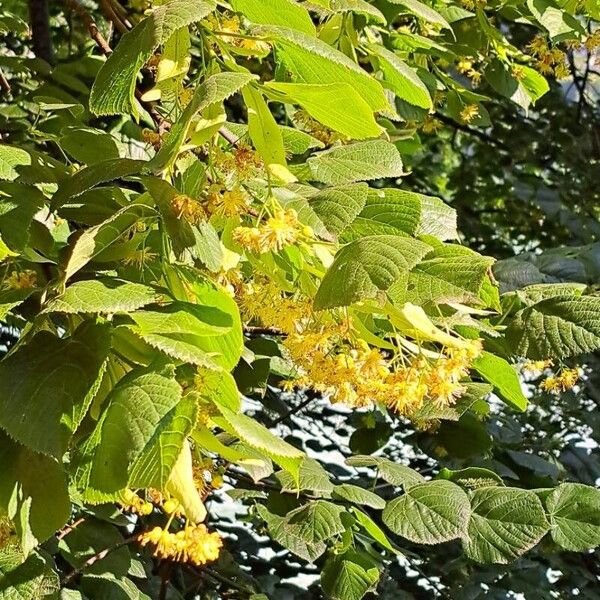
<point x="4" y="85"/>
<point x="66" y="530"/>
<point x="93" y="559"/>
<point x="112" y="16"/>
<point x="230" y="137"/>
<point x="87" y="20"/>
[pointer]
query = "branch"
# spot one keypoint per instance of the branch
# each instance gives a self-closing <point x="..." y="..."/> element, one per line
<point x="111" y="15"/>
<point x="66" y="530"/>
<point x="87" y="20"/>
<point x="252" y="331"/>
<point x="39" y="20"/>
<point x="4" y="85"/>
<point x="98" y="556"/>
<point x="296" y="409"/>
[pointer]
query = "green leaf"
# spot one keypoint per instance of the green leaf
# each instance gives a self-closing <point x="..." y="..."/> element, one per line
<point x="415" y="214"/>
<point x="429" y="513"/>
<point x="263" y="129"/>
<point x="361" y="161"/>
<point x="140" y="407"/>
<point x="338" y="206"/>
<point x="503" y="377"/>
<point x="226" y="348"/>
<point x="180" y="330"/>
<point x="401" y="79"/>
<point x="570" y="326"/>
<point x="524" y="91"/>
<point x="574" y="512"/>
<point x="315" y="522"/>
<point x="102" y="296"/>
<point x="12" y="157"/>
<point x="358" y="495"/>
<point x="451" y="273"/>
<point x="312" y="477"/>
<point x="310" y="60"/>
<point x="98" y="238"/>
<point x="559" y="24"/>
<point x="87" y="145"/>
<point x="505" y="522"/>
<point x="422" y="10"/>
<point x="257" y="436"/>
<point x="394" y="473"/>
<point x="472" y="477"/>
<point x="360" y="7"/>
<point x="366" y="267"/>
<point x="336" y="105"/>
<point x="343" y="578"/>
<point x="213" y="90"/>
<point x="154" y="464"/>
<point x="33" y="493"/>
<point x="286" y="13"/>
<point x="54" y="379"/>
<point x="113" y="89"/>
<point x="18" y="206"/>
<point x="30" y="579"/>
<point x="89" y="177"/>
<point x="372" y="529"/>
<point x="281" y="533"/>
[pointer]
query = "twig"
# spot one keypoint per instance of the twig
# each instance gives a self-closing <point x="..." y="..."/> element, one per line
<point x="230" y="137"/>
<point x="112" y="16"/>
<point x="87" y="20"/>
<point x="4" y="83"/>
<point x="98" y="556"/>
<point x="251" y="330"/>
<point x="296" y="409"/>
<point x="66" y="530"/>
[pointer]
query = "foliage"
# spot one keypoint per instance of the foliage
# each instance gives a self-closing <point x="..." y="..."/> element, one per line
<point x="225" y="223"/>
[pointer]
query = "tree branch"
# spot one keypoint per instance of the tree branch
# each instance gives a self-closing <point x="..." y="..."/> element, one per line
<point x="87" y="20"/>
<point x="39" y="21"/>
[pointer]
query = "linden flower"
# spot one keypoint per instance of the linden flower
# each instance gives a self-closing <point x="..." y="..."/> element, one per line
<point x="187" y="208"/>
<point x="538" y="45"/>
<point x="431" y="125"/>
<point x="193" y="544"/>
<point x="518" y="72"/>
<point x="469" y="112"/>
<point x="537" y="366"/>
<point x="229" y="203"/>
<point x="562" y="382"/>
<point x="131" y="502"/>
<point x="248" y="237"/>
<point x="280" y="230"/>
<point x="21" y="280"/>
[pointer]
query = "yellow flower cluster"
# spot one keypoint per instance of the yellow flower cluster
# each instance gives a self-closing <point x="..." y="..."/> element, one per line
<point x="265" y="302"/>
<point x="230" y="31"/>
<point x="279" y="231"/>
<point x="358" y="375"/>
<point x="431" y="125"/>
<point x="228" y="203"/>
<point x="473" y="4"/>
<point x="469" y="112"/>
<point x="192" y="544"/>
<point x="316" y="129"/>
<point x="20" y="280"/>
<point x="562" y="382"/>
<point x="537" y="366"/>
<point x="8" y="534"/>
<point x="550" y="61"/>
<point x="592" y="41"/>
<point x="187" y="208"/>
<point x="465" y="67"/>
<point x="131" y="502"/>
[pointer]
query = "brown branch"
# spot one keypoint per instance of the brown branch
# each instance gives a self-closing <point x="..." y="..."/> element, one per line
<point x="66" y="530"/>
<point x="230" y="137"/>
<point x="95" y="558"/>
<point x="87" y="20"/>
<point x="250" y="330"/>
<point x="111" y="15"/>
<point x="4" y="83"/>
<point x="39" y="21"/>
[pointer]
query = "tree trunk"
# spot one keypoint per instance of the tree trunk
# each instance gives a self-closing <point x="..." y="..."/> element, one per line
<point x="39" y="21"/>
